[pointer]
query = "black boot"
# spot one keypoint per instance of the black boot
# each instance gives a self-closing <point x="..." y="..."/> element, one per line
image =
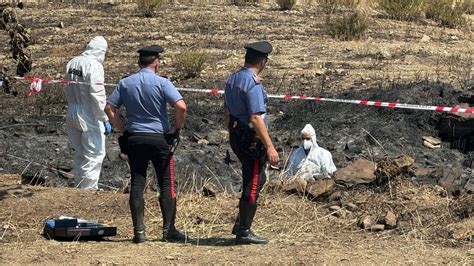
<point x="235" y="229"/>
<point x="137" y="206"/>
<point x="168" y="210"/>
<point x="139" y="237"/>
<point x="244" y="234"/>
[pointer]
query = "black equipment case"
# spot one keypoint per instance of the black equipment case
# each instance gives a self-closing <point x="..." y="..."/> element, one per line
<point x="71" y="229"/>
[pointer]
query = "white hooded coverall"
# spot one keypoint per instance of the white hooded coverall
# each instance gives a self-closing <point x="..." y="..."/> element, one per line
<point x="317" y="162"/>
<point x="85" y="113"/>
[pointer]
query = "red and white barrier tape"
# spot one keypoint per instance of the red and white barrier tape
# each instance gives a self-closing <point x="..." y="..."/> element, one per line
<point x="62" y="81"/>
<point x="359" y="102"/>
<point x="35" y="86"/>
<point x="36" y="81"/>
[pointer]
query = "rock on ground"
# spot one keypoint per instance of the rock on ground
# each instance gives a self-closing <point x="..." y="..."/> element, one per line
<point x="359" y="172"/>
<point x="297" y="186"/>
<point x="452" y="178"/>
<point x="367" y="221"/>
<point x="393" y="167"/>
<point x="313" y="190"/>
<point x="469" y="187"/>
<point x="320" y="188"/>
<point x="377" y="228"/>
<point x="390" y="220"/>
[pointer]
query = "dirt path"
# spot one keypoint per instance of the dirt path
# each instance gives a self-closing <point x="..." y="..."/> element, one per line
<point x="354" y="248"/>
<point x="300" y="232"/>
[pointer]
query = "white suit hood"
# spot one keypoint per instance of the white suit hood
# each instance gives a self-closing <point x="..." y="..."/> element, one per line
<point x="96" y="49"/>
<point x="87" y="68"/>
<point x="308" y="129"/>
<point x="317" y="162"/>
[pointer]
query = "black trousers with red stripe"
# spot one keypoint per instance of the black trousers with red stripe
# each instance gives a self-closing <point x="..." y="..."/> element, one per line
<point x="253" y="164"/>
<point x="143" y="148"/>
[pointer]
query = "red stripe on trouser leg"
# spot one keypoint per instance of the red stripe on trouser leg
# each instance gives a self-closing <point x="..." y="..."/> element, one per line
<point x="172" y="178"/>
<point x="253" y="192"/>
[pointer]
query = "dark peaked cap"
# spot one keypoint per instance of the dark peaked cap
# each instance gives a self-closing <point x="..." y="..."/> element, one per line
<point x="151" y="50"/>
<point x="262" y="47"/>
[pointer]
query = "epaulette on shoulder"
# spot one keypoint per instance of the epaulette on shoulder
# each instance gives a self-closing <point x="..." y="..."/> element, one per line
<point x="257" y="79"/>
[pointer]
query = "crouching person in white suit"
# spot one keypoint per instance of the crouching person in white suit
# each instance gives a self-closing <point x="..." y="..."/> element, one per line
<point x="310" y="160"/>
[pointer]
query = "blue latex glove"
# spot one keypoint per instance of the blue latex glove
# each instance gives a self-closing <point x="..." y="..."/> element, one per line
<point x="108" y="128"/>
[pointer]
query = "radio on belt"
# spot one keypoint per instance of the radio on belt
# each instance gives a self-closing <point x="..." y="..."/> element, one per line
<point x="70" y="228"/>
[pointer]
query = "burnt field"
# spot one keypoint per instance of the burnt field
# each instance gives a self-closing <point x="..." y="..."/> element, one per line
<point x="410" y="71"/>
<point x="36" y="145"/>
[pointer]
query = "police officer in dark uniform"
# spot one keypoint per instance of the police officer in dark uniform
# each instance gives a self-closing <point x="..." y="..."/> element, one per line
<point x="245" y="113"/>
<point x="145" y="95"/>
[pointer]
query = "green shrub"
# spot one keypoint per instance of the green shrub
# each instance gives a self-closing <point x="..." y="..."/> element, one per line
<point x="286" y="4"/>
<point x="347" y="27"/>
<point x="191" y="63"/>
<point x="468" y="7"/>
<point x="403" y="9"/>
<point x="148" y="7"/>
<point x="446" y="13"/>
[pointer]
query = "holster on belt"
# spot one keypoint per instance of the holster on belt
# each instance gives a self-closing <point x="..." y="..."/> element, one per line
<point x="123" y="140"/>
<point x="250" y="144"/>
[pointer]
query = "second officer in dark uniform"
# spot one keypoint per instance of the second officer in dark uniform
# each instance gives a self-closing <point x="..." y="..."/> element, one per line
<point x="145" y="96"/>
<point x="245" y="112"/>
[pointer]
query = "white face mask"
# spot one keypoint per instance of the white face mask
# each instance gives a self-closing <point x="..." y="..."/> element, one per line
<point x="307" y="144"/>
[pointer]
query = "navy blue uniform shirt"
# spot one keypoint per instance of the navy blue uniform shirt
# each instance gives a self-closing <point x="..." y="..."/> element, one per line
<point x="145" y="95"/>
<point x="245" y="96"/>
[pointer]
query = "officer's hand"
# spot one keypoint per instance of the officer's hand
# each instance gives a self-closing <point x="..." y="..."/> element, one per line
<point x="172" y="131"/>
<point x="272" y="154"/>
<point x="108" y="128"/>
<point x="171" y="135"/>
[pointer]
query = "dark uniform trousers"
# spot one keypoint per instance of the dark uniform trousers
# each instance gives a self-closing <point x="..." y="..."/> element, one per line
<point x="142" y="148"/>
<point x="252" y="156"/>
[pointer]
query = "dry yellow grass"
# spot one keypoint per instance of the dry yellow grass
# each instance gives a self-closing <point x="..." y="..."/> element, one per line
<point x="300" y="230"/>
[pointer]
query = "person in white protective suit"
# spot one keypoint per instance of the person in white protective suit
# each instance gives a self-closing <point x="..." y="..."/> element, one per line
<point x="86" y="121"/>
<point x="310" y="160"/>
